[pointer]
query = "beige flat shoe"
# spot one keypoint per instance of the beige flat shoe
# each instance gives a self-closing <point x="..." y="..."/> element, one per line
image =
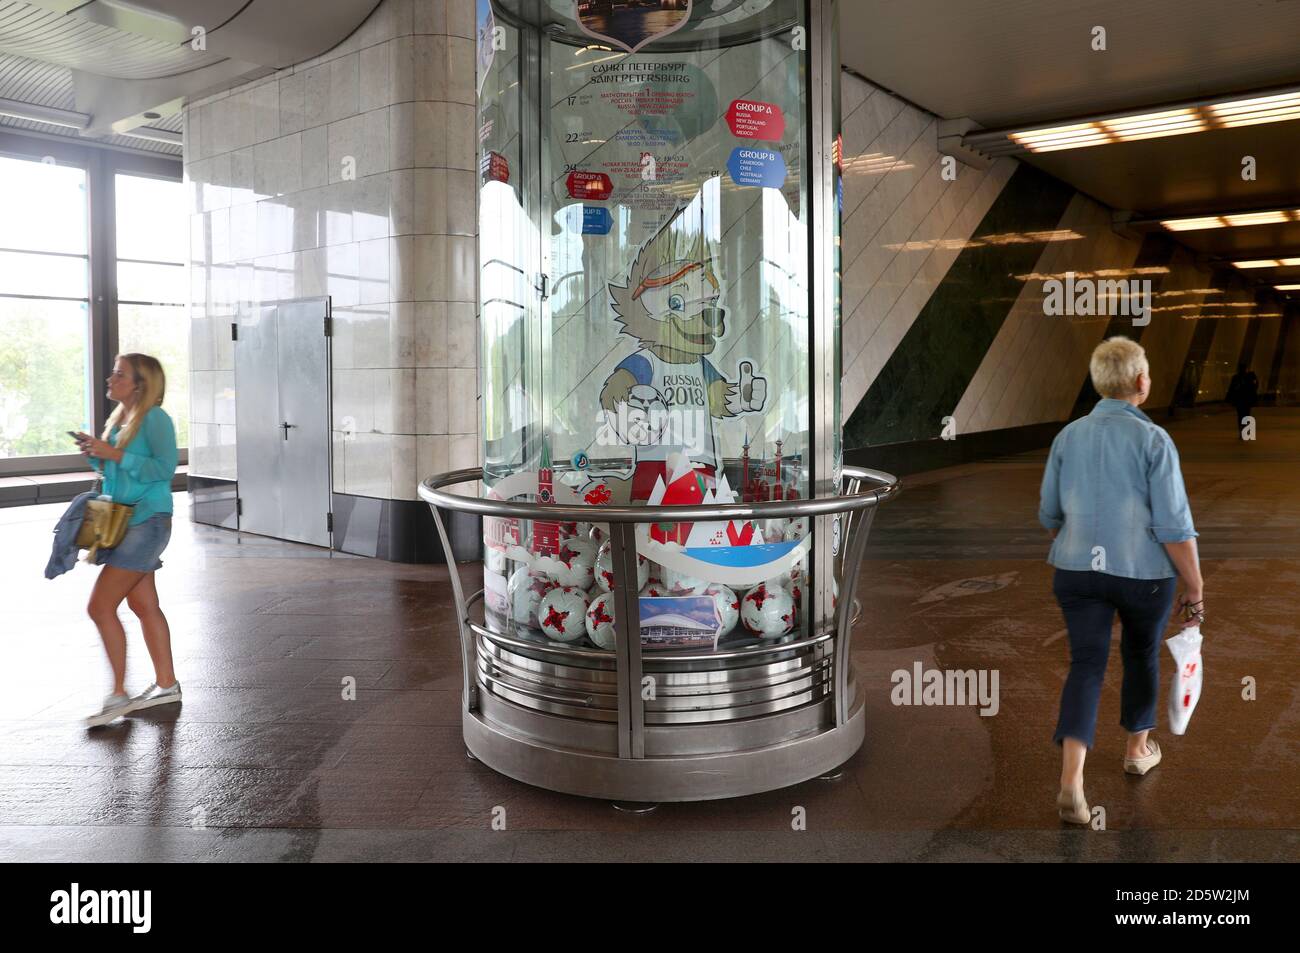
<point x="1144" y="764"/>
<point x="1072" y="807"/>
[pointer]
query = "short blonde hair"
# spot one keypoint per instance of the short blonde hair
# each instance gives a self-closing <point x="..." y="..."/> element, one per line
<point x="1115" y="365"/>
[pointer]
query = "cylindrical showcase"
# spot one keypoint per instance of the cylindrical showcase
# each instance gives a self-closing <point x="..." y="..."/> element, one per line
<point x="670" y="540"/>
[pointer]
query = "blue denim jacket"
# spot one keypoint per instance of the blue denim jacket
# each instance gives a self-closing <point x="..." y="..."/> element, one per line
<point x="63" y="554"/>
<point x="1114" y="490"/>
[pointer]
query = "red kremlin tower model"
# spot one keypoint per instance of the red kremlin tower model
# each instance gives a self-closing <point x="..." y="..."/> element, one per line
<point x="757" y="489"/>
<point x="546" y="533"/>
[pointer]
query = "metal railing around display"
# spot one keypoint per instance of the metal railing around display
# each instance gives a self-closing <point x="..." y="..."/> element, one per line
<point x="854" y="507"/>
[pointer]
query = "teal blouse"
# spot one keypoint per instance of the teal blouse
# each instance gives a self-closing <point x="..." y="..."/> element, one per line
<point x="144" y="477"/>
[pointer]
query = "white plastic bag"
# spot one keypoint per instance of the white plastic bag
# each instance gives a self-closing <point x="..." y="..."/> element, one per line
<point x="1185" y="691"/>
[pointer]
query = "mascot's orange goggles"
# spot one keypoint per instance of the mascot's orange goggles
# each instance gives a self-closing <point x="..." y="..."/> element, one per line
<point x="675" y="276"/>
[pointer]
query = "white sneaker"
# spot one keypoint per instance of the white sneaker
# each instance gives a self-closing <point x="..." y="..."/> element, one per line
<point x="153" y="695"/>
<point x="115" y="706"/>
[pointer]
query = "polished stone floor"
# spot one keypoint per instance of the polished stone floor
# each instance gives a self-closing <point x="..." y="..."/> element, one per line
<point x="266" y="761"/>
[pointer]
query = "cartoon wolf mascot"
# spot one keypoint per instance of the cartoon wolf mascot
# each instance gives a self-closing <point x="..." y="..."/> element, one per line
<point x="663" y="398"/>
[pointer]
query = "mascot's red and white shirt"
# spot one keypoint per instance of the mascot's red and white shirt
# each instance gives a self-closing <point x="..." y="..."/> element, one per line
<point x="684" y="389"/>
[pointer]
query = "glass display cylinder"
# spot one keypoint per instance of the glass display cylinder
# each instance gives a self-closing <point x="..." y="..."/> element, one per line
<point x="660" y="314"/>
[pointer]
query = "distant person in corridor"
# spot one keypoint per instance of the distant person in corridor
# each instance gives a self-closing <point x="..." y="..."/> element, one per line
<point x="1243" y="391"/>
<point x="1114" y="502"/>
<point x="137" y="457"/>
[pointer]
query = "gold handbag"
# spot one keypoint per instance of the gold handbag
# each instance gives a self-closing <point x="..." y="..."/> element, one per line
<point x="103" y="524"/>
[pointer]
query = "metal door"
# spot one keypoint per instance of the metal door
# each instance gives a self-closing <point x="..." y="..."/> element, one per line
<point x="257" y="409"/>
<point x="282" y="421"/>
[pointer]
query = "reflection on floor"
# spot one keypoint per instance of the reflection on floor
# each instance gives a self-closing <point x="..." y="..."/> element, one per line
<point x="267" y="762"/>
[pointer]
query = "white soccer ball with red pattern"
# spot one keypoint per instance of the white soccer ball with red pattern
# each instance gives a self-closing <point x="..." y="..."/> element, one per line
<point x="574" y="565"/>
<point x="791" y="577"/>
<point x="797" y="586"/>
<point x="575" y="531"/>
<point x="654" y="589"/>
<point x="793" y="582"/>
<point x="605" y="569"/>
<point x="681" y="584"/>
<point x="767" y="611"/>
<point x="562" y="612"/>
<point x="525" y="591"/>
<point x="600" y="621"/>
<point x="728" y="604"/>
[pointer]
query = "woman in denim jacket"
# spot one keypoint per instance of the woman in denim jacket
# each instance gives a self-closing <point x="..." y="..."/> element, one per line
<point x="1114" y="502"/>
<point x="137" y="457"/>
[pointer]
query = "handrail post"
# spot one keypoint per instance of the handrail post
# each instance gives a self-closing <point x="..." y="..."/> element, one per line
<point x="857" y="544"/>
<point x="469" y="692"/>
<point x="627" y="632"/>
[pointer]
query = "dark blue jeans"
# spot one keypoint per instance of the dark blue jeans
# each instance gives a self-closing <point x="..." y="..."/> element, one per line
<point x="1089" y="601"/>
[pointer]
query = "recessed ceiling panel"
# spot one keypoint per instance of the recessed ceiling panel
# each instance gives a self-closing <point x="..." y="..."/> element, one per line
<point x="1256" y="241"/>
<point x="1013" y="62"/>
<point x="77" y="43"/>
<point x="1186" y="175"/>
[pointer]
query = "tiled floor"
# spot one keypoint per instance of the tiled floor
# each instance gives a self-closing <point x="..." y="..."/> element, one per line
<point x="265" y="761"/>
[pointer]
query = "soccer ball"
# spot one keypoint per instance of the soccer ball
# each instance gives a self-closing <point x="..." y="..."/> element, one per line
<point x="791" y="578"/>
<point x="571" y="530"/>
<point x="680" y="584"/>
<point x="600" y="621"/>
<point x="767" y="611"/>
<point x="561" y="613"/>
<point x="574" y="565"/>
<point x="525" y="591"/>
<point x="605" y="569"/>
<point x="728" y="605"/>
<point x="641" y="420"/>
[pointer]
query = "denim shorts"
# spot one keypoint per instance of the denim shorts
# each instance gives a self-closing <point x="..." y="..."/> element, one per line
<point x="141" y="546"/>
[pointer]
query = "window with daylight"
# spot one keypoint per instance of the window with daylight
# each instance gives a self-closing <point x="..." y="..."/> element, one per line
<point x="152" y="239"/>
<point x="44" y="307"/>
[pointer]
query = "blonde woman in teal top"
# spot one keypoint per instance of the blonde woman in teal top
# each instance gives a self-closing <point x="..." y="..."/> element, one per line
<point x="136" y="455"/>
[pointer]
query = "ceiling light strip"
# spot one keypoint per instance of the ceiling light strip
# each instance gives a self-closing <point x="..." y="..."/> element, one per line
<point x="46" y="114"/>
<point x="1282" y="106"/>
<point x="1231" y="220"/>
<point x="155" y="135"/>
<point x="1267" y="263"/>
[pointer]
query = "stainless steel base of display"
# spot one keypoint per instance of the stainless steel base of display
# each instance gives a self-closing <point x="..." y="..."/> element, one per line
<point x="809" y="752"/>
<point x="584" y="684"/>
<point x="643" y="724"/>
